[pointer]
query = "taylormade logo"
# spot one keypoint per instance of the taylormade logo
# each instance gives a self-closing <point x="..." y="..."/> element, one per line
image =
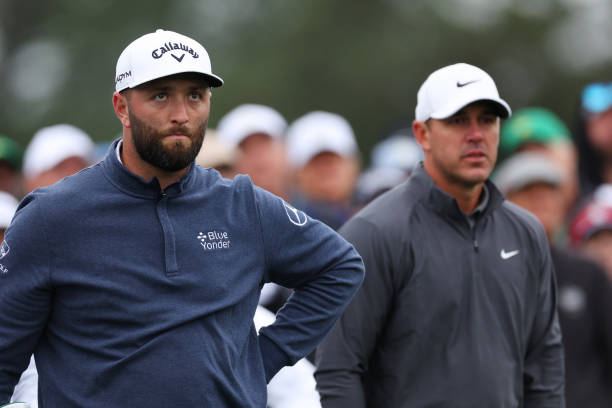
<point x="167" y="47"/>
<point x="122" y="76"/>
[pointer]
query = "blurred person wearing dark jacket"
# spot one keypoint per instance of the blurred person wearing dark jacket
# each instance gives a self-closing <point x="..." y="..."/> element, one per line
<point x="534" y="182"/>
<point x="593" y="137"/>
<point x="591" y="228"/>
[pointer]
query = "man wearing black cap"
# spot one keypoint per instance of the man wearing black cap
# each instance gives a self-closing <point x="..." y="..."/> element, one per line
<point x="458" y="305"/>
<point x="135" y="282"/>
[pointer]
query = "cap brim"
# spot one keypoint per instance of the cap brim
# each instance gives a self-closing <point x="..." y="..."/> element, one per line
<point x="213" y="80"/>
<point x="455" y="106"/>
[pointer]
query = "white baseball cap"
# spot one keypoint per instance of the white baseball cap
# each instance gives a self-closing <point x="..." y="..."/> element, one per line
<point x="449" y="89"/>
<point x="8" y="206"/>
<point x="249" y="119"/>
<point x="318" y="132"/>
<point x="526" y="168"/>
<point x="53" y="144"/>
<point x="160" y="54"/>
<point x="398" y="151"/>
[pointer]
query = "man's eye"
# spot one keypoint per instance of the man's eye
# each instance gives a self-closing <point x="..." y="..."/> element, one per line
<point x="160" y="97"/>
<point x="195" y="97"/>
<point x="489" y="119"/>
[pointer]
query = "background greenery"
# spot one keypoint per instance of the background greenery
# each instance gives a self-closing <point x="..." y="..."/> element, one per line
<point x="362" y="59"/>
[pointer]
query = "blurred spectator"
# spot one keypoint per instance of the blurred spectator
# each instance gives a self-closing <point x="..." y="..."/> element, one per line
<point x="391" y="162"/>
<point x="10" y="167"/>
<point x="399" y="151"/>
<point x="218" y="155"/>
<point x="593" y="136"/>
<point x="25" y="390"/>
<point x="591" y="229"/>
<point x="538" y="129"/>
<point x="533" y="181"/>
<point x="8" y="206"/>
<point x="257" y="131"/>
<point x="56" y="152"/>
<point x="323" y="152"/>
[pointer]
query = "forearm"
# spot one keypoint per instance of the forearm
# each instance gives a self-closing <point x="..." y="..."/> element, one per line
<point x="312" y="310"/>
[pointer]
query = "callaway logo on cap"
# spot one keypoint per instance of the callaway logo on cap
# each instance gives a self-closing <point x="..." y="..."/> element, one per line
<point x="449" y="89"/>
<point x="160" y="54"/>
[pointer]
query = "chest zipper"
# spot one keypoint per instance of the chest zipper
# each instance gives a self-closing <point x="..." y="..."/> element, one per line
<point x="169" y="238"/>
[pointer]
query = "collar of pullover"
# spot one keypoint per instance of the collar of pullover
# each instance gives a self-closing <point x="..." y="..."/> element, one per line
<point x="133" y="184"/>
<point x="446" y="204"/>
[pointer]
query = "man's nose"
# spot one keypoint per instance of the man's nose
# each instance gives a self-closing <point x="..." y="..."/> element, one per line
<point x="475" y="132"/>
<point x="178" y="113"/>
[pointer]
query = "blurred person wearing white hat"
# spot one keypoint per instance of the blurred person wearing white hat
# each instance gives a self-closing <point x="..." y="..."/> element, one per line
<point x="8" y="206"/>
<point x="323" y="152"/>
<point x="392" y="161"/>
<point x="56" y="152"/>
<point x="25" y="390"/>
<point x="458" y="305"/>
<point x="534" y="181"/>
<point x="134" y="282"/>
<point x="258" y="131"/>
<point x="218" y="155"/>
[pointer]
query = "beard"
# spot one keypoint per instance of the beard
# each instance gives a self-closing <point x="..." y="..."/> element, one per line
<point x="149" y="144"/>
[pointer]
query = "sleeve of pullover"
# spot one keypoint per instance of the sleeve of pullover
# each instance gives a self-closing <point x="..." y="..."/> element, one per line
<point x="544" y="362"/>
<point x="342" y="358"/>
<point x="323" y="269"/>
<point x="25" y="293"/>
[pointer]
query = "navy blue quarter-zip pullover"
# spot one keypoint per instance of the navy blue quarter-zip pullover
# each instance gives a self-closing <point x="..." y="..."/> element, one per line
<point x="130" y="296"/>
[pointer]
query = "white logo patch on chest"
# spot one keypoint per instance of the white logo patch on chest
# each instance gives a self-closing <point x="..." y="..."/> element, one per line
<point x="214" y="240"/>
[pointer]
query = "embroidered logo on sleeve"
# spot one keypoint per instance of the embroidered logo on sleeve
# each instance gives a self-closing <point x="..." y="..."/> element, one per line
<point x="4" y="250"/>
<point x="296" y="216"/>
<point x="213" y="240"/>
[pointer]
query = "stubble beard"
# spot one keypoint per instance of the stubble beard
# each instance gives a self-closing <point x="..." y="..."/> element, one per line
<point x="149" y="145"/>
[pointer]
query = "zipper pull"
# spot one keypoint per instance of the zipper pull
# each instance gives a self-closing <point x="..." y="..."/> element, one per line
<point x="476" y="245"/>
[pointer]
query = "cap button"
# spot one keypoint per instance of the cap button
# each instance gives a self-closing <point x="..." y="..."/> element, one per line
<point x="159" y="30"/>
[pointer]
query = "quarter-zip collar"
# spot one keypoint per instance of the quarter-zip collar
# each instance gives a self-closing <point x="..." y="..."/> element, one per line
<point x="445" y="204"/>
<point x="133" y="184"/>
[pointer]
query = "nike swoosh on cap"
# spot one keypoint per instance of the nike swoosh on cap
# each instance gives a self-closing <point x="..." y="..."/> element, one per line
<point x="462" y="84"/>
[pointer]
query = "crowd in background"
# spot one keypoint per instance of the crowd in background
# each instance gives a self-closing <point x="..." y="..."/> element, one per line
<point x="560" y="172"/>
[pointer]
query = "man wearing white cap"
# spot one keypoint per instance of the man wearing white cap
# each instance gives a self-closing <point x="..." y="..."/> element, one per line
<point x="458" y="305"/>
<point x="55" y="152"/>
<point x="258" y="131"/>
<point x="322" y="149"/>
<point x="135" y="281"/>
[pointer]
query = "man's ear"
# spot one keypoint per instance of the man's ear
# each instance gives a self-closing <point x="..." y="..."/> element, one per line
<point x="421" y="134"/>
<point x="121" y="108"/>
